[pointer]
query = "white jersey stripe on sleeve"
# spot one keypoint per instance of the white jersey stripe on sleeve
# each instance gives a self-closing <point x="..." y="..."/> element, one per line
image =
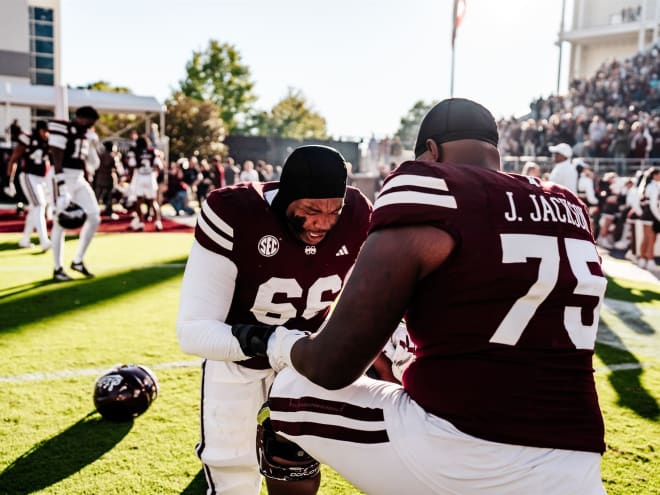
<point x="415" y="198"/>
<point x="58" y="127"/>
<point x="417" y="181"/>
<point x="217" y="221"/>
<point x="213" y="235"/>
<point x="57" y="141"/>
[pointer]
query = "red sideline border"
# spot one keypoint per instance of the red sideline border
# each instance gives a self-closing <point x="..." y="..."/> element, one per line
<point x="11" y="221"/>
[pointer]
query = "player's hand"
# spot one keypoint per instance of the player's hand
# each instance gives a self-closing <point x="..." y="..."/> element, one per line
<point x="10" y="190"/>
<point x="253" y="338"/>
<point x="280" y="344"/>
<point x="63" y="200"/>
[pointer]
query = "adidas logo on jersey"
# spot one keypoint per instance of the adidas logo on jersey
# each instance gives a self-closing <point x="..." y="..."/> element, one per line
<point x="342" y="251"/>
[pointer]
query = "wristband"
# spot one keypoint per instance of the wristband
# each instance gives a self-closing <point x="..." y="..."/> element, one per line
<point x="280" y="344"/>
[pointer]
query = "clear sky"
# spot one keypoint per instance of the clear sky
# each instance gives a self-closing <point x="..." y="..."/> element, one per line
<point x="361" y="63"/>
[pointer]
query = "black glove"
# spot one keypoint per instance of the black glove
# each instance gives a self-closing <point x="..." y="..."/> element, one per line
<point x="253" y="338"/>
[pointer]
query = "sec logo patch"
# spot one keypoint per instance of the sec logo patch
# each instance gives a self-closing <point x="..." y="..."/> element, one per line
<point x="268" y="246"/>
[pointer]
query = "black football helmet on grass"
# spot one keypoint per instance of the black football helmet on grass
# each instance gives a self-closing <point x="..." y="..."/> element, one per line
<point x="125" y="392"/>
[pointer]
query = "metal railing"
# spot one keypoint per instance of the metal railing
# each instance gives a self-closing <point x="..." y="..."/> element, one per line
<point x="624" y="167"/>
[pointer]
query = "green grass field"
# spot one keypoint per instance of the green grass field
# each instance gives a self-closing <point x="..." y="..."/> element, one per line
<point x="55" y="339"/>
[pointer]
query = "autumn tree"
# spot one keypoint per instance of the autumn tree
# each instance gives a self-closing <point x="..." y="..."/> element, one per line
<point x="218" y="75"/>
<point x="291" y="117"/>
<point x="194" y="127"/>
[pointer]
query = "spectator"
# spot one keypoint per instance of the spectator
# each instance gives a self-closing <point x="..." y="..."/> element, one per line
<point x="531" y="169"/>
<point x="650" y="205"/>
<point x="217" y="172"/>
<point x="249" y="174"/>
<point x="14" y="132"/>
<point x="106" y="177"/>
<point x="564" y="171"/>
<point x="177" y="189"/>
<point x="232" y="172"/>
<point x="205" y="181"/>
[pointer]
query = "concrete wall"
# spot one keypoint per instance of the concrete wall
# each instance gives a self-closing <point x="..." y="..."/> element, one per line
<point x="14" y="27"/>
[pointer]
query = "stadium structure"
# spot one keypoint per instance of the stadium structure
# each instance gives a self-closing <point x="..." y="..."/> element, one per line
<point x="31" y="71"/>
<point x="602" y="30"/>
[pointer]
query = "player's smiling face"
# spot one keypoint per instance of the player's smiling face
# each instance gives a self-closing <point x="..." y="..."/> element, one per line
<point x="312" y="219"/>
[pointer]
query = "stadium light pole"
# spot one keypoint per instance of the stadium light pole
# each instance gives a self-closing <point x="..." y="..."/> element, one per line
<point x="560" y="40"/>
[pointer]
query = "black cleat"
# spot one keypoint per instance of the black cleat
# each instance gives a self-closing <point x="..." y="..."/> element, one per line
<point x="80" y="268"/>
<point x="59" y="275"/>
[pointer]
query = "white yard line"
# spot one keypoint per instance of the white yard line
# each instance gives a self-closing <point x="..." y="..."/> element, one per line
<point x="34" y="377"/>
<point x="32" y="268"/>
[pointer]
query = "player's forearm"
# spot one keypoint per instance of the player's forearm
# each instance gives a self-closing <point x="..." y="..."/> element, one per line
<point x="322" y="368"/>
<point x="209" y="339"/>
<point x="206" y="294"/>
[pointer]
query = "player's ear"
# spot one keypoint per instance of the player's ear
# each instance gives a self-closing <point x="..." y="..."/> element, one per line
<point x="434" y="149"/>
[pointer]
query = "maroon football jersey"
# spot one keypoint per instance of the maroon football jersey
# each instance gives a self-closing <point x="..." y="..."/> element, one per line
<point x="72" y="140"/>
<point x="280" y="280"/>
<point x="35" y="157"/>
<point x="505" y="328"/>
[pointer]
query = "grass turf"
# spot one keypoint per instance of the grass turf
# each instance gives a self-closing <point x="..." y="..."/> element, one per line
<point x="55" y="339"/>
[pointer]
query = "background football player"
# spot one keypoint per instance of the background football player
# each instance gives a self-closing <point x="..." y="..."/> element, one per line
<point x="32" y="150"/>
<point x="269" y="253"/>
<point x="501" y="285"/>
<point x="144" y="164"/>
<point x="69" y="148"/>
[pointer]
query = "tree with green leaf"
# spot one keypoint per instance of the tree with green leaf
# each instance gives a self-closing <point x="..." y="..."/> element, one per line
<point x="409" y="124"/>
<point x="194" y="127"/>
<point x="291" y="117"/>
<point x="218" y="75"/>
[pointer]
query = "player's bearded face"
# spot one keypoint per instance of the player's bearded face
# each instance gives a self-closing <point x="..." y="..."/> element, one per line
<point x="311" y="219"/>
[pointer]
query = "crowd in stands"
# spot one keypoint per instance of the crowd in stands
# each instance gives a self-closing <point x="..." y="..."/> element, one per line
<point x="613" y="114"/>
<point x="621" y="208"/>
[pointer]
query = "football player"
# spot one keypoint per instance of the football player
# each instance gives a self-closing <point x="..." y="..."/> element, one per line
<point x="69" y="148"/>
<point x="144" y="164"/>
<point x="271" y="253"/>
<point x="32" y="150"/>
<point x="501" y="284"/>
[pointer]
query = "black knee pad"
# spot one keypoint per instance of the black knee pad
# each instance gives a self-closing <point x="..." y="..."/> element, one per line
<point x="270" y="445"/>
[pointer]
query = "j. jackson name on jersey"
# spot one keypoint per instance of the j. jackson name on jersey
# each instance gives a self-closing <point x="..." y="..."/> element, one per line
<point x="542" y="209"/>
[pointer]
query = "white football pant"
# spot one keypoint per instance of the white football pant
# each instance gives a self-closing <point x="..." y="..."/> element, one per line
<point x="379" y="439"/>
<point x="82" y="194"/>
<point x="35" y="189"/>
<point x="231" y="398"/>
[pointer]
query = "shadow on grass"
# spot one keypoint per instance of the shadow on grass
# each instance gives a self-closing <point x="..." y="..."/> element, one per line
<point x="59" y="298"/>
<point x="18" y="289"/>
<point x="635" y="294"/>
<point x="626" y="382"/>
<point x="7" y="246"/>
<point x="62" y="455"/>
<point x="34" y="251"/>
<point x="197" y="486"/>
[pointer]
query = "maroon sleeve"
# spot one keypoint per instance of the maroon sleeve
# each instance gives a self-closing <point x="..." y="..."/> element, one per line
<point x="216" y="222"/>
